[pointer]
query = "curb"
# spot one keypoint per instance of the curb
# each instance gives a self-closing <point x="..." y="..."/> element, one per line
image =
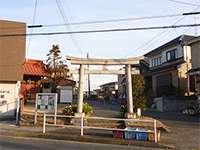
<point x="86" y="138"/>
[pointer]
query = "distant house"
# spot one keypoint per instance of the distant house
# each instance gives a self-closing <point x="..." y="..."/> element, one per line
<point x="168" y="67"/>
<point x="194" y="72"/>
<point x="110" y="90"/>
<point x="122" y="81"/>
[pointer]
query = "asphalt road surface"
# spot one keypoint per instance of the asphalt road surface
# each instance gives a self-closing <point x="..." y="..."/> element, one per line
<point x="12" y="143"/>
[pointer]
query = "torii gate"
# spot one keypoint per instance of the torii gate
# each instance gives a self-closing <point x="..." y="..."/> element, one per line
<point x="96" y="61"/>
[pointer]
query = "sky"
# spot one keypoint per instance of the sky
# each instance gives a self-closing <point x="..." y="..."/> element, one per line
<point x="101" y="45"/>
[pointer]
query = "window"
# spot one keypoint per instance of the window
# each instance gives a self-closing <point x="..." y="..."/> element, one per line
<point x="172" y="54"/>
<point x="46" y="85"/>
<point x="2" y="96"/>
<point x="156" y="61"/>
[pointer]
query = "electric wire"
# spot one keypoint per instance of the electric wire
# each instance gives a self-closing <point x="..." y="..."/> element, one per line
<point x="65" y="19"/>
<point x="184" y="3"/>
<point x="160" y="34"/>
<point x="103" y="30"/>
<point x="33" y="22"/>
<point x="104" y="21"/>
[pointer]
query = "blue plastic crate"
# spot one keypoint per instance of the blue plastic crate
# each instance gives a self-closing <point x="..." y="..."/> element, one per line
<point x="129" y="134"/>
<point x="141" y="136"/>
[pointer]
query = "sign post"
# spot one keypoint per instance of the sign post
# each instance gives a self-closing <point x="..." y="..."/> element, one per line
<point x="46" y="103"/>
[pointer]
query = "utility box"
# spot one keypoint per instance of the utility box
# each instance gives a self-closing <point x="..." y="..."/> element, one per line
<point x="9" y="99"/>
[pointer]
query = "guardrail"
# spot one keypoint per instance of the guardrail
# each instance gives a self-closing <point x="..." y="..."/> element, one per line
<point x="82" y="126"/>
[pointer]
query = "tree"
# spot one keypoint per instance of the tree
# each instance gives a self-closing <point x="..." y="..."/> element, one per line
<point x="138" y="88"/>
<point x="139" y="98"/>
<point x="55" y="66"/>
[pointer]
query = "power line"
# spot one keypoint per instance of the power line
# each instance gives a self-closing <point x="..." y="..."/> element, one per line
<point x="185" y="3"/>
<point x="34" y="18"/>
<point x="125" y="19"/>
<point x="161" y="33"/>
<point x="106" y="21"/>
<point x="104" y="30"/>
<point x="61" y="10"/>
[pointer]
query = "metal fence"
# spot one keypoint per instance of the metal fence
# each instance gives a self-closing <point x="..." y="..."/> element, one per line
<point x="81" y="126"/>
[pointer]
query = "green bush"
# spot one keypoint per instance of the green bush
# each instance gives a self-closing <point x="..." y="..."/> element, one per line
<point x="87" y="109"/>
<point x="70" y="110"/>
<point x="123" y="110"/>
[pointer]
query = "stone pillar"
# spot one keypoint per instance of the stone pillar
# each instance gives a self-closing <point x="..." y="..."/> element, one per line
<point x="129" y="90"/>
<point x="81" y="86"/>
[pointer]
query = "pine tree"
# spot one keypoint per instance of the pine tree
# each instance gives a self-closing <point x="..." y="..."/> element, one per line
<point x="55" y="66"/>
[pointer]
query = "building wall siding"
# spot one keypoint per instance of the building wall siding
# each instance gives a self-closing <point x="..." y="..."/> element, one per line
<point x="12" y="51"/>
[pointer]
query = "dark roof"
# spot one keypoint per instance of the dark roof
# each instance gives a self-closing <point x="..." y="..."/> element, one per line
<point x="193" y="40"/>
<point x="35" y="68"/>
<point x="176" y="41"/>
<point x="194" y="71"/>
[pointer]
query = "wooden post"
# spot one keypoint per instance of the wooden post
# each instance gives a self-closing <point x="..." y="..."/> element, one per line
<point x="81" y="86"/>
<point x="129" y="89"/>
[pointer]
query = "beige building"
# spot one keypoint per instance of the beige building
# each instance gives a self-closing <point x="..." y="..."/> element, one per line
<point x="12" y="57"/>
<point x="168" y="67"/>
<point x="12" y="50"/>
<point x="194" y="72"/>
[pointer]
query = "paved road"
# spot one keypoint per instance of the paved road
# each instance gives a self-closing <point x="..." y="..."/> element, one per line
<point x="10" y="143"/>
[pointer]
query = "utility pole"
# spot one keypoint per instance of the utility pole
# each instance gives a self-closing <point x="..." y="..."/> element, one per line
<point x="88" y="78"/>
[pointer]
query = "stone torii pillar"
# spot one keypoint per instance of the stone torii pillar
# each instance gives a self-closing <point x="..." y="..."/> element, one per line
<point x="81" y="86"/>
<point x="129" y="91"/>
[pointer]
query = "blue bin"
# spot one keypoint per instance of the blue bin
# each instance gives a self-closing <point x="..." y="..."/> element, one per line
<point x="129" y="134"/>
<point x="141" y="136"/>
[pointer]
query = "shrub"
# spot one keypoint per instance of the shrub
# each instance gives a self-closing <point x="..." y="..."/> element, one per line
<point x="87" y="109"/>
<point x="70" y="110"/>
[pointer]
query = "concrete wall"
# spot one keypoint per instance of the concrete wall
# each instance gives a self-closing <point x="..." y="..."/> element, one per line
<point x="12" y="50"/>
<point x="167" y="104"/>
<point x="8" y="99"/>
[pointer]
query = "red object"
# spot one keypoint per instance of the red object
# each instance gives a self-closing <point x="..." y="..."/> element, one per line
<point x="29" y="90"/>
<point x="118" y="134"/>
<point x="34" y="68"/>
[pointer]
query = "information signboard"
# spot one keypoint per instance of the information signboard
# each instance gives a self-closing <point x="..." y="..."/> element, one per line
<point x="46" y="103"/>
